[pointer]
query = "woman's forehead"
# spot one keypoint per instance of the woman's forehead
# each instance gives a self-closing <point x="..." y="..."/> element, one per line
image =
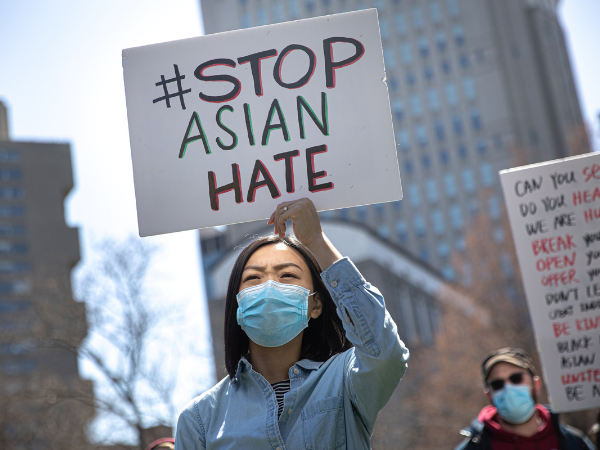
<point x="275" y="254"/>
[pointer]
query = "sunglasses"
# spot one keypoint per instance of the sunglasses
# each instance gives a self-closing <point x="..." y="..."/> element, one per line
<point x="515" y="378"/>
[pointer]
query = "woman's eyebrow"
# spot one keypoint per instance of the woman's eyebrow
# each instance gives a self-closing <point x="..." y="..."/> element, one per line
<point x="277" y="267"/>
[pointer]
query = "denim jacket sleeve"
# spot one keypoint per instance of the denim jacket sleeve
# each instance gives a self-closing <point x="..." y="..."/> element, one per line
<point x="190" y="432"/>
<point x="374" y="367"/>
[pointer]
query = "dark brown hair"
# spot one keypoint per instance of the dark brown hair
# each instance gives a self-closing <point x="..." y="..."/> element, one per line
<point x="324" y="336"/>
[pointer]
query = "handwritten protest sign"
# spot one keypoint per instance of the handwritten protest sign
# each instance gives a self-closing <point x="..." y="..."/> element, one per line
<point x="554" y="211"/>
<point x="226" y="126"/>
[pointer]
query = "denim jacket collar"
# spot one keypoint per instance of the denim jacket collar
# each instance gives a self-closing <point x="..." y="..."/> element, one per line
<point x="306" y="364"/>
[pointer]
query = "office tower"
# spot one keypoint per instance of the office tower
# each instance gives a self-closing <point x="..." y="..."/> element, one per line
<point x="40" y="323"/>
<point x="475" y="87"/>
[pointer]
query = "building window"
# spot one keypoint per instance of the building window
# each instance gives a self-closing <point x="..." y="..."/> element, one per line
<point x="400" y="22"/>
<point x="434" y="100"/>
<point x="398" y="109"/>
<point x="404" y="140"/>
<point x="379" y="209"/>
<point x="415" y="105"/>
<point x="481" y="145"/>
<point x="12" y="306"/>
<point x="498" y="235"/>
<point x="507" y="267"/>
<point x="310" y="6"/>
<point x="277" y="12"/>
<point x="423" y="47"/>
<point x="451" y="97"/>
<point x="469" y="88"/>
<point x="468" y="180"/>
<point x="14" y="287"/>
<point x="11" y="230"/>
<point x="413" y="194"/>
<point x="9" y="156"/>
<point x="12" y="211"/>
<point x="444" y="157"/>
<point x="462" y="151"/>
<point x="19" y="367"/>
<point x="410" y="78"/>
<point x="449" y="273"/>
<point x="460" y="244"/>
<point x="497" y="141"/>
<point x="402" y="231"/>
<point x="475" y="119"/>
<point x="464" y="61"/>
<point x="406" y="53"/>
<point x="459" y="35"/>
<point x="7" y="267"/>
<point x="443" y="250"/>
<point x="389" y="58"/>
<point x="449" y="185"/>
<point x="494" y="207"/>
<point x="326" y="3"/>
<point x="428" y="73"/>
<point x="383" y="231"/>
<point x="453" y="9"/>
<point x="439" y="130"/>
<point x="419" y="225"/>
<point x="437" y="220"/>
<point x="12" y="193"/>
<point x="293" y="9"/>
<point x="408" y="167"/>
<point x="362" y="213"/>
<point x="424" y="254"/>
<point x="421" y="133"/>
<point x="456" y="217"/>
<point x="440" y="39"/>
<point x="10" y="174"/>
<point x="8" y="248"/>
<point x="417" y="17"/>
<point x="261" y="16"/>
<point x="397" y="205"/>
<point x="246" y="20"/>
<point x="384" y="29"/>
<point x="435" y="10"/>
<point x="487" y="174"/>
<point x="446" y="67"/>
<point x="431" y="190"/>
<point x="426" y="160"/>
<point x="457" y="125"/>
<point x="393" y="83"/>
<point x="344" y="214"/>
<point x="473" y="206"/>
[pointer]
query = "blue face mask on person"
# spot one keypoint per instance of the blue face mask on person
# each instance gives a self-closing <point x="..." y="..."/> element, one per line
<point x="272" y="313"/>
<point x="514" y="403"/>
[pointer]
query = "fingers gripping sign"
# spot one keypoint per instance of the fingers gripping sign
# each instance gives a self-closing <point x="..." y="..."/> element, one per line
<point x="305" y="220"/>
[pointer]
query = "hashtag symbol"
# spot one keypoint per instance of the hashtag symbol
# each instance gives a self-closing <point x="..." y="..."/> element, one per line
<point x="179" y="92"/>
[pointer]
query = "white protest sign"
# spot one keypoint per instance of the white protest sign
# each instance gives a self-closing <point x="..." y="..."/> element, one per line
<point x="554" y="211"/>
<point x="224" y="127"/>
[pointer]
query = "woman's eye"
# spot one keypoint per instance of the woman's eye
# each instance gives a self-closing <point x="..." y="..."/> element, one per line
<point x="292" y="275"/>
<point x="251" y="277"/>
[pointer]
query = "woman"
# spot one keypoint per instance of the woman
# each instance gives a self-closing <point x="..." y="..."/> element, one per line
<point x="300" y="375"/>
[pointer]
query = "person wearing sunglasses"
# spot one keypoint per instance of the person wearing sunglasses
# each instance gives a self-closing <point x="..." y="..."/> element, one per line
<point x="514" y="420"/>
<point x="311" y="352"/>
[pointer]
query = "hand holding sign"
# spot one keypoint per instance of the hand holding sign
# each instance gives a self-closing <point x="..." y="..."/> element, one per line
<point x="307" y="228"/>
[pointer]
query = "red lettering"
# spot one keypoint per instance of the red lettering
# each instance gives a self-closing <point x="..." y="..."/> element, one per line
<point x="592" y="171"/>
<point x="560" y="278"/>
<point x="586" y="196"/>
<point x="552" y="245"/>
<point x="561" y="328"/>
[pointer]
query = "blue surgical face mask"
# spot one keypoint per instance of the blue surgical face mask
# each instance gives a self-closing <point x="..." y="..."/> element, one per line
<point x="272" y="314"/>
<point x="514" y="403"/>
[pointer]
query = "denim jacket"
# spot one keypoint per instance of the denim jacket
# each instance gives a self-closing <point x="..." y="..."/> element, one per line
<point x="331" y="404"/>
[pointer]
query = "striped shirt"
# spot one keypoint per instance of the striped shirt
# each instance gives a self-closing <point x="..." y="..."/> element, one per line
<point x="280" y="388"/>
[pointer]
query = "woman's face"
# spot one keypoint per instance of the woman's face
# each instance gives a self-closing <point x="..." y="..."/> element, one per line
<point x="280" y="263"/>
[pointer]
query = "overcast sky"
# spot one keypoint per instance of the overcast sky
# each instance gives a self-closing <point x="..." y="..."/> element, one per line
<point x="61" y="77"/>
